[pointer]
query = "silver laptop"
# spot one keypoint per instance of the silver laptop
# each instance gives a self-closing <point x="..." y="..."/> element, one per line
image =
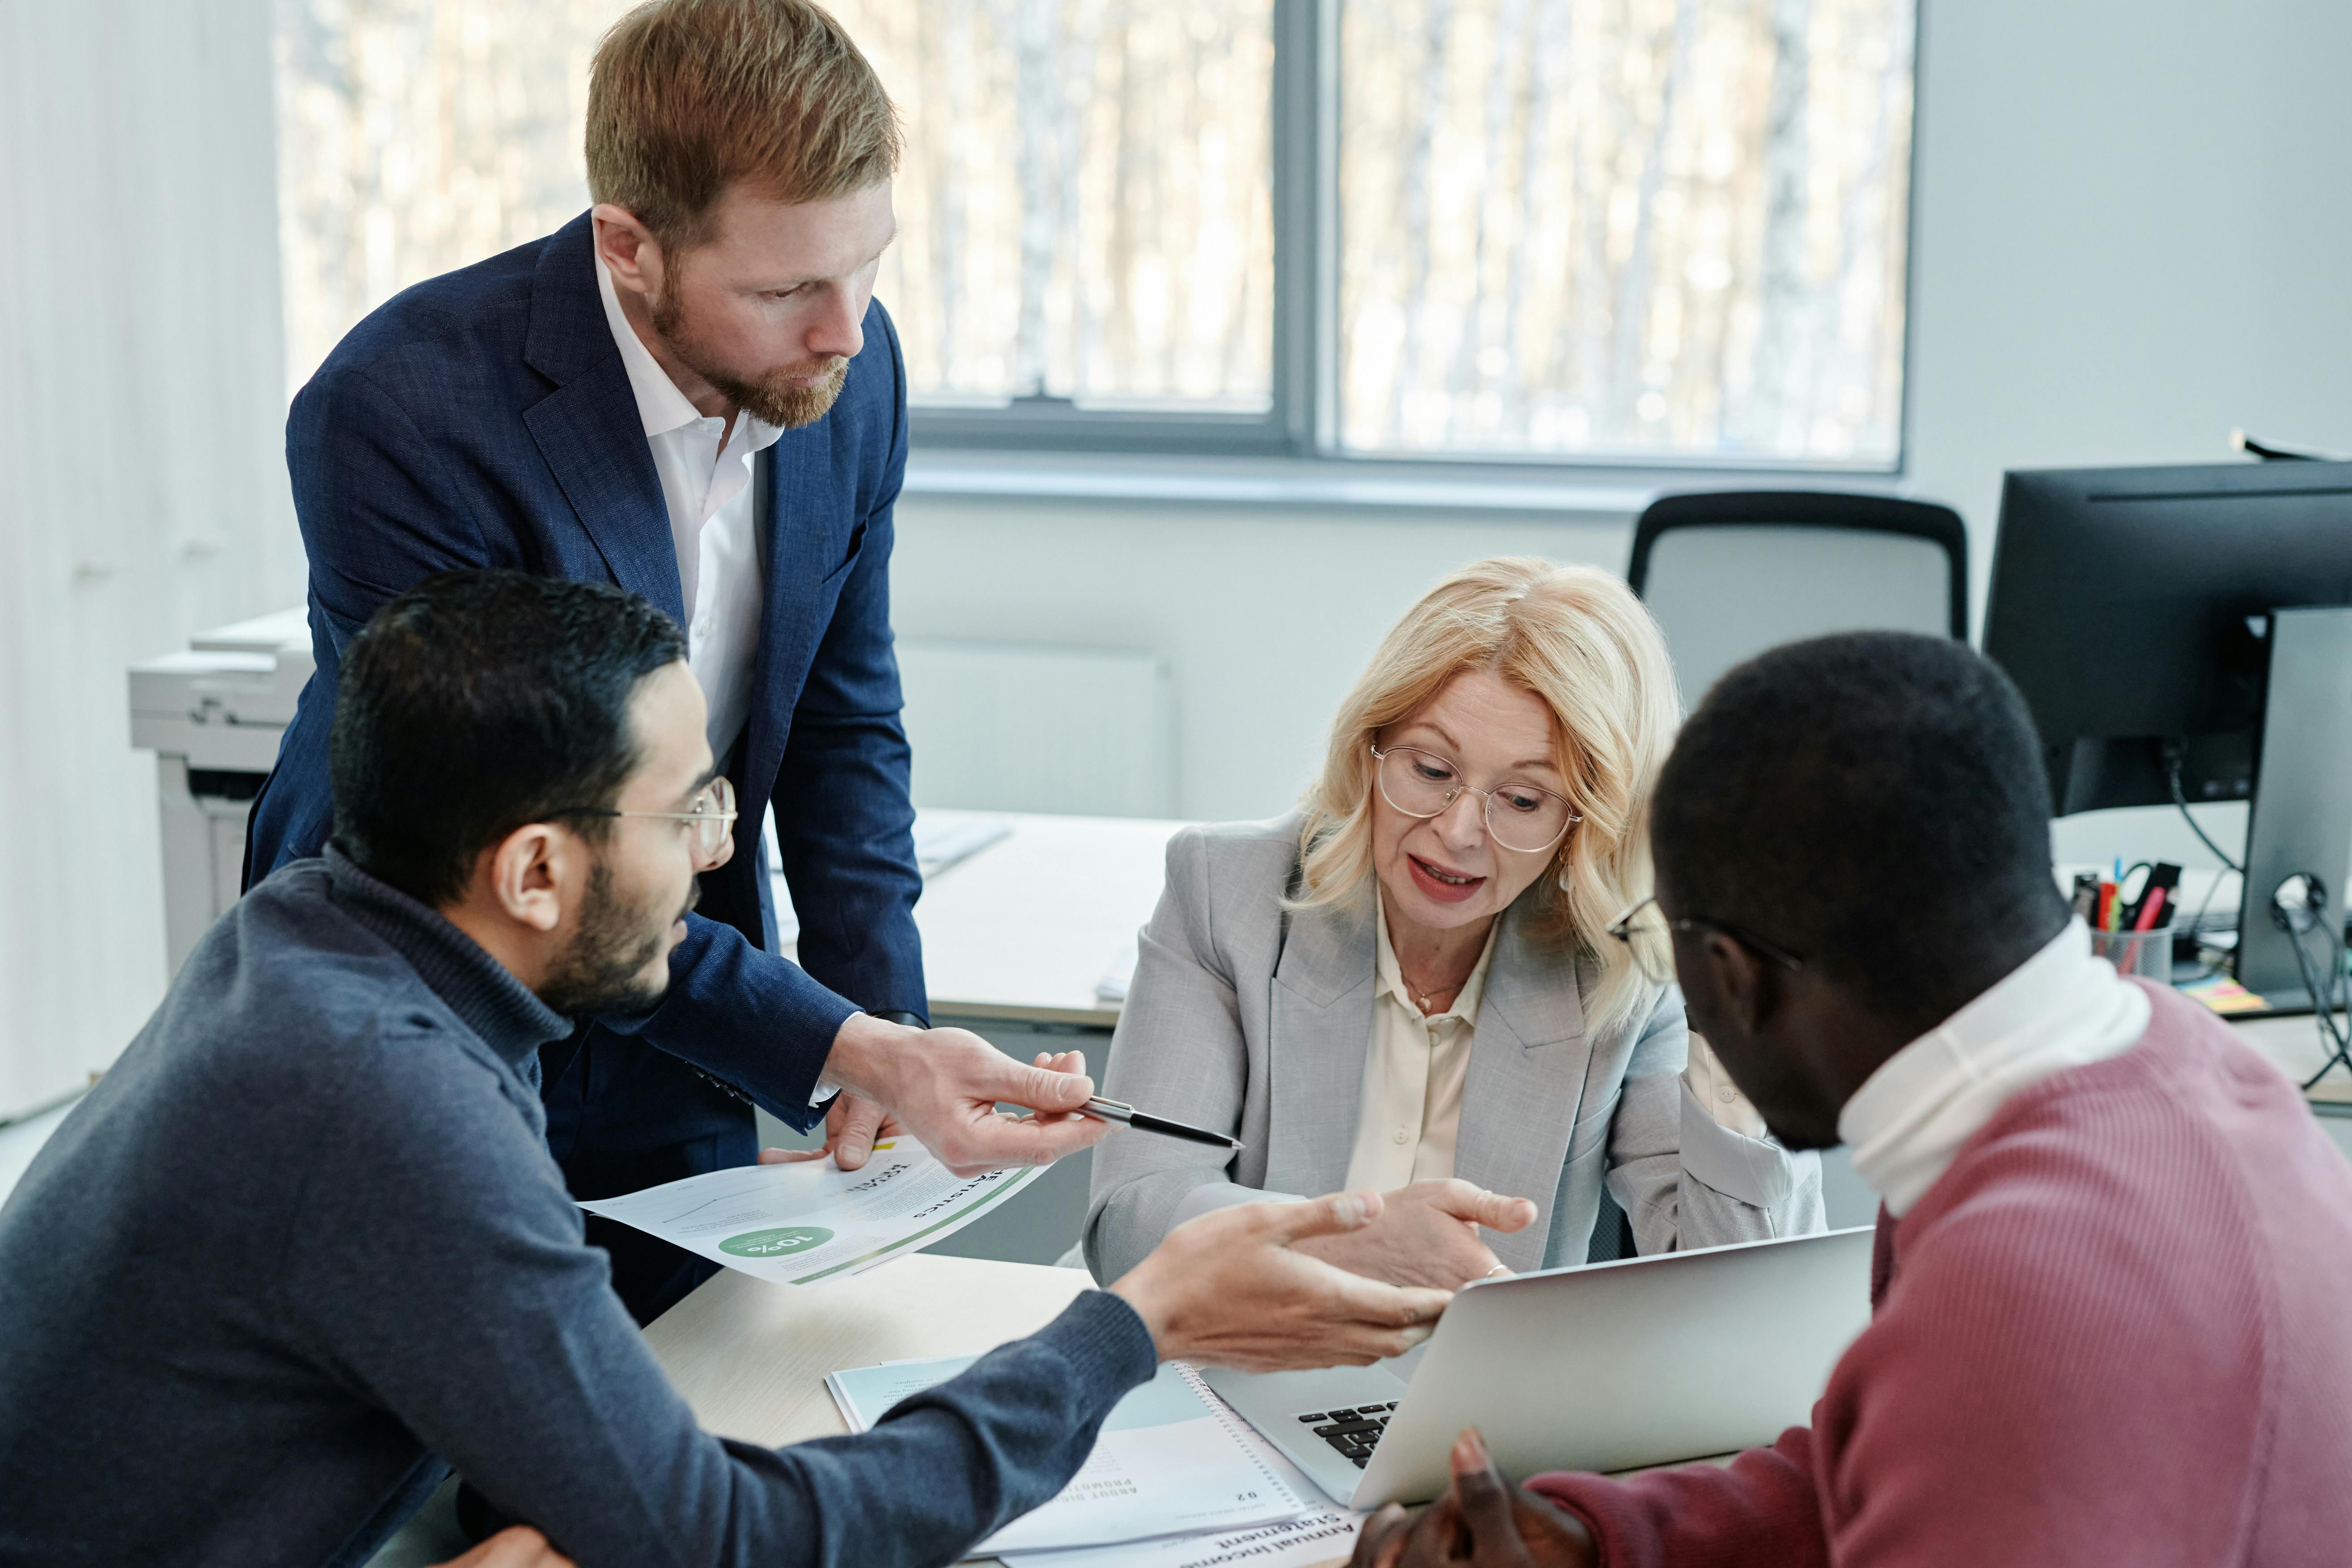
<point x="1603" y="1367"/>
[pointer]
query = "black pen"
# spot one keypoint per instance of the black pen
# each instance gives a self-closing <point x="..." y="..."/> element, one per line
<point x="1119" y="1111"/>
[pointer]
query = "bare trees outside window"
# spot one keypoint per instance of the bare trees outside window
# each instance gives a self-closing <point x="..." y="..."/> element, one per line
<point x="1086" y="206"/>
<point x="1653" y="230"/>
<point x="1630" y="227"/>
<point x="416" y="136"/>
<point x="1085" y="211"/>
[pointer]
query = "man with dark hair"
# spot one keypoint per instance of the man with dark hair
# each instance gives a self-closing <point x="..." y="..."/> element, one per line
<point x="303" y="1248"/>
<point x="2116" y="1249"/>
<point x="690" y="391"/>
<point x="482" y="699"/>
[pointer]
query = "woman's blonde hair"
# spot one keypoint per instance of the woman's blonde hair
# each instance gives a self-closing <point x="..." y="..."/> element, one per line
<point x="1576" y="638"/>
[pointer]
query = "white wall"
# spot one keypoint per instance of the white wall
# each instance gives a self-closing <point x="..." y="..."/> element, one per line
<point x="2134" y="231"/>
<point x="2134" y="222"/>
<point x="141" y="485"/>
<point x="1264" y="619"/>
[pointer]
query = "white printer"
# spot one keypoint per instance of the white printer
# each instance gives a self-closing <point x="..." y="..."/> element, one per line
<point x="213" y="716"/>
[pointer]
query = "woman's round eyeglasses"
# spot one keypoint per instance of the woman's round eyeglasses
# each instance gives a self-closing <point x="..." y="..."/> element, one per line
<point x="1519" y="816"/>
<point x="709" y="817"/>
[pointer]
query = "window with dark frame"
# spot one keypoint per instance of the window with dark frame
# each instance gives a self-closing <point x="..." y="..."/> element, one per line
<point x="1527" y="231"/>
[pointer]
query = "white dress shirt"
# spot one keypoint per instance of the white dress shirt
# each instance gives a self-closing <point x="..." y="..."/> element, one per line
<point x="706" y="480"/>
<point x="2061" y="1008"/>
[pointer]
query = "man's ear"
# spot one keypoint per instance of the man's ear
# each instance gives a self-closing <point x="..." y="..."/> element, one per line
<point x="525" y="874"/>
<point x="1747" y="988"/>
<point x="628" y="249"/>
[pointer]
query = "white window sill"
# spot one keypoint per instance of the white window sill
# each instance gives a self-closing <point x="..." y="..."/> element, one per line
<point x="1597" y="495"/>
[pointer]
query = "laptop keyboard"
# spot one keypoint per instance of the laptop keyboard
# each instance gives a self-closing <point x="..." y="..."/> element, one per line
<point x="1352" y="1432"/>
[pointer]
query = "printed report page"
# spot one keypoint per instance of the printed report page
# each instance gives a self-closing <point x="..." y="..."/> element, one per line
<point x="805" y="1223"/>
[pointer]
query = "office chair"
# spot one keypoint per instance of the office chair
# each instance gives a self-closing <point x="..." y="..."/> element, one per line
<point x="1729" y="575"/>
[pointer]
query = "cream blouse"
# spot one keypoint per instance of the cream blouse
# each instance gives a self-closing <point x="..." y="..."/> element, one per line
<point x="1410" y="1111"/>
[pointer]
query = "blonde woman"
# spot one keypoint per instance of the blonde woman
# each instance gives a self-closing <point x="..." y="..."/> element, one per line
<point x="1407" y="985"/>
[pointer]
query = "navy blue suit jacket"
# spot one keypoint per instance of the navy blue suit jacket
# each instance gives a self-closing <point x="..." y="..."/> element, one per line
<point x="484" y="419"/>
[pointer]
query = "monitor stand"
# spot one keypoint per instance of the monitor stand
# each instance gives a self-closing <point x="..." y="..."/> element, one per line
<point x="2301" y="821"/>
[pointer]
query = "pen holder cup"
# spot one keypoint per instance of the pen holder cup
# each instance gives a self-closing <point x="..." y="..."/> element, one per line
<point x="2146" y="954"/>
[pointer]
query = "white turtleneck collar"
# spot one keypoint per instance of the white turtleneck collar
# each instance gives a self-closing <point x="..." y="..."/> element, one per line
<point x="2061" y="1008"/>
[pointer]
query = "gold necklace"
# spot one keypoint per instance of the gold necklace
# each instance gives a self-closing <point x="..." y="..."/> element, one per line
<point x="1425" y="995"/>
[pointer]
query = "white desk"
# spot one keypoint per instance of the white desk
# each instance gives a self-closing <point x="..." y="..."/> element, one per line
<point x="1023" y="929"/>
<point x="2293" y="1042"/>
<point x="750" y="1357"/>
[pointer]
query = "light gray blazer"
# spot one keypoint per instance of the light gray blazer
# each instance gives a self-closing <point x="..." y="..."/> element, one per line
<point x="1255" y="1020"/>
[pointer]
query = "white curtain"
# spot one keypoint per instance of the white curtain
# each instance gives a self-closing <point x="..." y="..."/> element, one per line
<point x="142" y="481"/>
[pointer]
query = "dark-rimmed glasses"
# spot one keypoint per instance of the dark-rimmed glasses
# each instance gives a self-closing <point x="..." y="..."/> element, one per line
<point x="1422" y="784"/>
<point x="1648" y="934"/>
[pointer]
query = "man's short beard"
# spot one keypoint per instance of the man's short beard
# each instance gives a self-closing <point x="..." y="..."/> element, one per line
<point x="773" y="399"/>
<point x="777" y="402"/>
<point x="600" y="971"/>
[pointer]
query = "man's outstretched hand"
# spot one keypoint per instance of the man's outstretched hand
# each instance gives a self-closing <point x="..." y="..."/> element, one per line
<point x="941" y="1087"/>
<point x="854" y="1124"/>
<point x="1231" y="1288"/>
<point x="1482" y="1521"/>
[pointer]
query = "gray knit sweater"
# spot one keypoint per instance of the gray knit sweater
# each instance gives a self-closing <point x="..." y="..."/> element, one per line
<point x="303" y="1248"/>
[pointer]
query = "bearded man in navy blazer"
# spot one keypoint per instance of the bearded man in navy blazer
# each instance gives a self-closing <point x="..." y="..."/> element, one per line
<point x="690" y="391"/>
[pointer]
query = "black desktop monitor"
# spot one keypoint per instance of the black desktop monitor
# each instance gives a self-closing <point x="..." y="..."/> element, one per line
<point x="2134" y="608"/>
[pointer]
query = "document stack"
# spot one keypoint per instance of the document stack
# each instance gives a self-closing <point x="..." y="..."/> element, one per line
<point x="1176" y="1480"/>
